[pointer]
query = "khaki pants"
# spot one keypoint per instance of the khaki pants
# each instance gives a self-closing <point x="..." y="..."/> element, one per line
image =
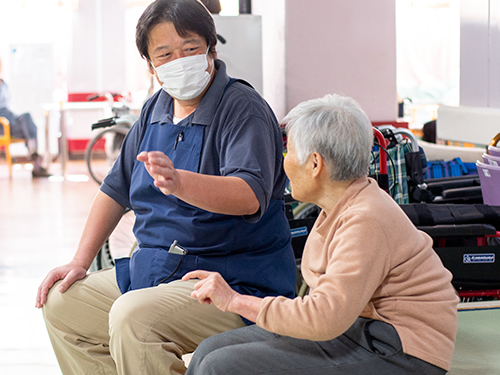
<point x="94" y="329"/>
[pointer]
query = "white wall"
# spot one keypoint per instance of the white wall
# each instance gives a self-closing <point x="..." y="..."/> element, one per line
<point x="480" y="53"/>
<point x="273" y="52"/>
<point x="97" y="61"/>
<point x="310" y="48"/>
<point x="24" y="30"/>
<point x="347" y="47"/>
<point x="242" y="50"/>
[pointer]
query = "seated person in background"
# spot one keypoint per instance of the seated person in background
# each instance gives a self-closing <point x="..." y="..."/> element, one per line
<point x="21" y="126"/>
<point x="380" y="300"/>
<point x="203" y="166"/>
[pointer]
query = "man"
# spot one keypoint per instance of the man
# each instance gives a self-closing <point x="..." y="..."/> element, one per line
<point x="202" y="169"/>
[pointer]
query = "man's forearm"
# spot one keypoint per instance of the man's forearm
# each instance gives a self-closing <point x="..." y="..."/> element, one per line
<point x="104" y="215"/>
<point x="223" y="195"/>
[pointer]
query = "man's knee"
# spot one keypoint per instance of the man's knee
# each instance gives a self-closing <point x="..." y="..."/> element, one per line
<point x="127" y="316"/>
<point x="151" y="309"/>
<point x="55" y="306"/>
<point x="119" y="312"/>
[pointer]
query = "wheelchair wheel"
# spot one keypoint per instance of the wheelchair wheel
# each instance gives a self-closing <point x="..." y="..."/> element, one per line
<point x="306" y="210"/>
<point x="122" y="241"/>
<point x="103" y="150"/>
<point x="120" y="244"/>
<point x="103" y="259"/>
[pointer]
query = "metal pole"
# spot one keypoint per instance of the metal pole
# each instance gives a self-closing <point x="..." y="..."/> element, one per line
<point x="63" y="144"/>
<point x="245" y="6"/>
<point x="47" y="158"/>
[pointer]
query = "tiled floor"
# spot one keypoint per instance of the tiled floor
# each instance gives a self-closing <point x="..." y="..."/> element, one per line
<point x="40" y="224"/>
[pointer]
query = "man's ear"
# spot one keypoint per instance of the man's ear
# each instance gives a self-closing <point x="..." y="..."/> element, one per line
<point x="150" y="68"/>
<point x="212" y="52"/>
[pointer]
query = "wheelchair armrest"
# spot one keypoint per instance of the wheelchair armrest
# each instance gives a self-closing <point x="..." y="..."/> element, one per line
<point x="459" y="230"/>
<point x="464" y="192"/>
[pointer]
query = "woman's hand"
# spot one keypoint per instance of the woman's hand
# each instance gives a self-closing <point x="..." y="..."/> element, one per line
<point x="69" y="273"/>
<point x="212" y="288"/>
<point x="161" y="168"/>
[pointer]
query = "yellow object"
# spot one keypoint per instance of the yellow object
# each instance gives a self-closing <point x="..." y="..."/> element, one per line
<point x="6" y="140"/>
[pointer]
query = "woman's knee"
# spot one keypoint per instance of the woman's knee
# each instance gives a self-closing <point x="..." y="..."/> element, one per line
<point x="224" y="352"/>
<point x="211" y="362"/>
<point x="206" y="347"/>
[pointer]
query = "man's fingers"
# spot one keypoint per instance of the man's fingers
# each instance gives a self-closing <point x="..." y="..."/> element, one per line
<point x="154" y="157"/>
<point x="41" y="297"/>
<point x="143" y="156"/>
<point x="44" y="288"/>
<point x="70" y="278"/>
<point x="63" y="286"/>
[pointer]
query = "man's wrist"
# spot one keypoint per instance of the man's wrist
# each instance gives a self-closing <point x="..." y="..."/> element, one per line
<point x="81" y="263"/>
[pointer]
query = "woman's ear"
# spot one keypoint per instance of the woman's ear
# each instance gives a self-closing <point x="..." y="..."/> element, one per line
<point x="318" y="164"/>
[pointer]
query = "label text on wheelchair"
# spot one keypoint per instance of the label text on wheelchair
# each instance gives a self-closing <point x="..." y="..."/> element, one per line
<point x="297" y="232"/>
<point x="479" y="258"/>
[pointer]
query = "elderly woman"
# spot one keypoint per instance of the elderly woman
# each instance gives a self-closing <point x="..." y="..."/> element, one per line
<point x="380" y="300"/>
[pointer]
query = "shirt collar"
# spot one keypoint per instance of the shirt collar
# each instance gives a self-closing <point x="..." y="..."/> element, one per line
<point x="324" y="222"/>
<point x="204" y="114"/>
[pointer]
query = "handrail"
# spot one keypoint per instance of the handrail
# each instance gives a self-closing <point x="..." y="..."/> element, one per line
<point x="495" y="140"/>
<point x="382" y="155"/>
<point x="407" y="132"/>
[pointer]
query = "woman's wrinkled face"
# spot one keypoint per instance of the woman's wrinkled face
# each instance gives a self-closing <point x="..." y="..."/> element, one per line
<point x="299" y="175"/>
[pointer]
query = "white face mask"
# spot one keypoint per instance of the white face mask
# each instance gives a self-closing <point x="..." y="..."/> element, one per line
<point x="186" y="77"/>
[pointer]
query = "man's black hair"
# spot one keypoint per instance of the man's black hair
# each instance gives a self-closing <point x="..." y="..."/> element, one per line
<point x="187" y="16"/>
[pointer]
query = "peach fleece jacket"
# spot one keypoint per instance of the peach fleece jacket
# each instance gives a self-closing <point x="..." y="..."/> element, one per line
<point x="366" y="258"/>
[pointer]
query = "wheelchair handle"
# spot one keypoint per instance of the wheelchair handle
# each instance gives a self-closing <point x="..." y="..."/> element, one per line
<point x="104" y="123"/>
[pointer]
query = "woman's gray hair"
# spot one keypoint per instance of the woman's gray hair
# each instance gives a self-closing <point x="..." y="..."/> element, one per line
<point x="338" y="129"/>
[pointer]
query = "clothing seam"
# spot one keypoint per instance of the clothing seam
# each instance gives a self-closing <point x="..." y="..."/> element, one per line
<point x="230" y="128"/>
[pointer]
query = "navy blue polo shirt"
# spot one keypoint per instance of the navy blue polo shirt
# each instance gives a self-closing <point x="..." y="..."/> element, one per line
<point x="233" y="132"/>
